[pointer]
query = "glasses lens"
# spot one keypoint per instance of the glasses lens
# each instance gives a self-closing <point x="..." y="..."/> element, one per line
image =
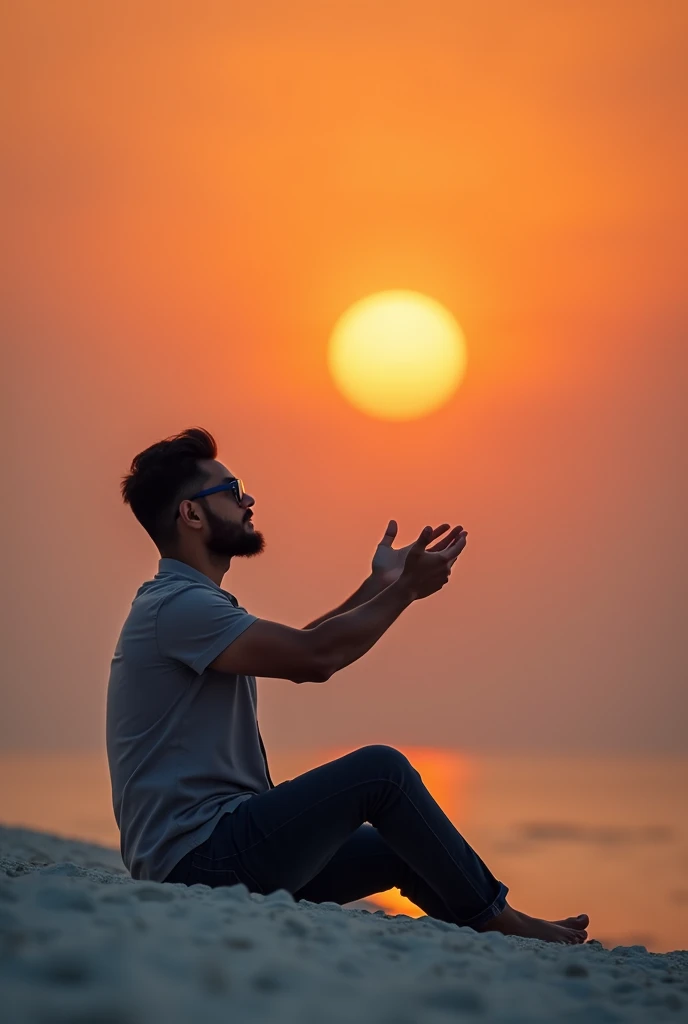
<point x="240" y="489"/>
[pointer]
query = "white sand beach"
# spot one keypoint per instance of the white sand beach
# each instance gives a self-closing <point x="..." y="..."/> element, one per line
<point x="80" y="941"/>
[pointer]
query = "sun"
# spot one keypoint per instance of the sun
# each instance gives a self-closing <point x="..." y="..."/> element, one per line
<point x="397" y="355"/>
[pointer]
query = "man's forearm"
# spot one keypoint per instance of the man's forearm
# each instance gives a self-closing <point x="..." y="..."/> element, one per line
<point x="368" y="589"/>
<point x="344" y="638"/>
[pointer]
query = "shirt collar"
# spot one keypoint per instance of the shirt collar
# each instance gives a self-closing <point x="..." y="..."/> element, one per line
<point x="182" y="569"/>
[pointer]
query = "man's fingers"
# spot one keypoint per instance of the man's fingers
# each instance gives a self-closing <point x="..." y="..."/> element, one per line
<point x="457" y="547"/>
<point x="390" y="533"/>
<point x="424" y="537"/>
<point x="446" y="541"/>
<point x="436" y="532"/>
<point x="448" y="544"/>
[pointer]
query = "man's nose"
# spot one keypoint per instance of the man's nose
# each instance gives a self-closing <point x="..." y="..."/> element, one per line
<point x="248" y="500"/>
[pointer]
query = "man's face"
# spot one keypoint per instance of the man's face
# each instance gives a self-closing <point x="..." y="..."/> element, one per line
<point x="229" y="530"/>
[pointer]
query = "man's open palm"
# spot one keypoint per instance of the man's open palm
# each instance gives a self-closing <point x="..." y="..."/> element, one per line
<point x="388" y="562"/>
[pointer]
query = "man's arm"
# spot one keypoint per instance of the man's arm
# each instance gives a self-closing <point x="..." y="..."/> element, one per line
<point x="387" y="562"/>
<point x="371" y="586"/>
<point x="315" y="654"/>
<point x="344" y="638"/>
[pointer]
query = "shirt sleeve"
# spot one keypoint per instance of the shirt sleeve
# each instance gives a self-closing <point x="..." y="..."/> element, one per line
<point x="196" y="624"/>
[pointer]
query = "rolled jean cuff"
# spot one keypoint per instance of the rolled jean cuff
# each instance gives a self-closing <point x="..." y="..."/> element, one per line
<point x="496" y="907"/>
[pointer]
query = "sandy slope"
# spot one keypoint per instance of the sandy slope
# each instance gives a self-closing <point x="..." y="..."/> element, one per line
<point x="82" y="942"/>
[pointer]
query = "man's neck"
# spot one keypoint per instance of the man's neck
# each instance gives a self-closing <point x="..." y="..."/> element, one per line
<point x="215" y="570"/>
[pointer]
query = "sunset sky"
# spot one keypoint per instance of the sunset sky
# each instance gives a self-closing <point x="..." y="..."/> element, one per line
<point x="194" y="193"/>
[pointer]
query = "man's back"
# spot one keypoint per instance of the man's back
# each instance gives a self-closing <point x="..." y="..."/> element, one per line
<point x="182" y="740"/>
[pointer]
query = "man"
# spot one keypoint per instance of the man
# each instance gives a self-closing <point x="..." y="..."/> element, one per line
<point x="192" y="793"/>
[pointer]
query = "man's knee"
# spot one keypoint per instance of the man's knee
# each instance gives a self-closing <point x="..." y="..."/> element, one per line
<point x="380" y="755"/>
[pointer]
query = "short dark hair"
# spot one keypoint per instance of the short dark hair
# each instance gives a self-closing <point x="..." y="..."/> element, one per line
<point x="162" y="476"/>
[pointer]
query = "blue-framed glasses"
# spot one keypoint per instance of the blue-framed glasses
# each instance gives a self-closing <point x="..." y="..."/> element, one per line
<point x="236" y="485"/>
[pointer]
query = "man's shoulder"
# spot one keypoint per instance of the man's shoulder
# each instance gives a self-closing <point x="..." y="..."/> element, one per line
<point x="154" y="593"/>
<point x="163" y="587"/>
<point x="160" y="588"/>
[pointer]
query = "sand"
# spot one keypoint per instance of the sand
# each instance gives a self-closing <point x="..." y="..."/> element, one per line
<point x="80" y="941"/>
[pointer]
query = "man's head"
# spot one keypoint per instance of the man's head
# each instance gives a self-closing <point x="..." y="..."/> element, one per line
<point x="160" y="489"/>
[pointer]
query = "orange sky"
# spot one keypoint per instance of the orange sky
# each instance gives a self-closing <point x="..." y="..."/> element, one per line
<point x="196" y="192"/>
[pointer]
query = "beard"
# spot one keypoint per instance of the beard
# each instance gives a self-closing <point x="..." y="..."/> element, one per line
<point x="230" y="539"/>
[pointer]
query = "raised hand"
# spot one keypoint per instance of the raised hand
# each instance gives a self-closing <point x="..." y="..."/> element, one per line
<point x="426" y="571"/>
<point x="388" y="562"/>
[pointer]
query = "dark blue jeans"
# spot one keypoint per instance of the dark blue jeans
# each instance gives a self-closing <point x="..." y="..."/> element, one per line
<point x="308" y="836"/>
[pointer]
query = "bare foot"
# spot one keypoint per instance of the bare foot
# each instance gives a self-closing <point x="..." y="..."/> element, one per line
<point x="582" y="922"/>
<point x="511" y="922"/>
